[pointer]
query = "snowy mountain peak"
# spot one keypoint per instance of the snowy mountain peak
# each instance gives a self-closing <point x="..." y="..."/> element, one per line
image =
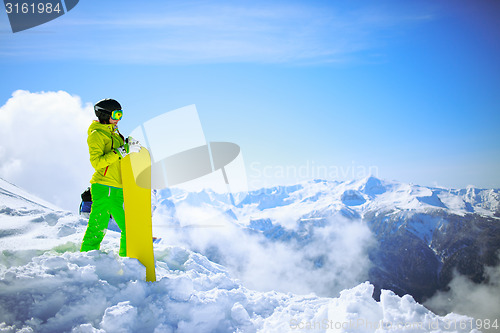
<point x="372" y="186"/>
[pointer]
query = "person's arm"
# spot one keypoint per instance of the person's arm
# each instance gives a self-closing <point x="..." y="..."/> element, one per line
<point x="98" y="158"/>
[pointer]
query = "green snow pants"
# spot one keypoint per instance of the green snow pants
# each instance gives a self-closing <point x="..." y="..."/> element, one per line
<point x="106" y="201"/>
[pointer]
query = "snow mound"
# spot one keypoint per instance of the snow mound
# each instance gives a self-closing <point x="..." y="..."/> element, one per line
<point x="101" y="292"/>
<point x="46" y="285"/>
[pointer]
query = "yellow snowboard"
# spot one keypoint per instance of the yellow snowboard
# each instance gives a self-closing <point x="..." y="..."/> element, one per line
<point x="137" y="200"/>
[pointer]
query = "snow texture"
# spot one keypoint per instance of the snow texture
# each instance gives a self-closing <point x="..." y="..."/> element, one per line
<point x="47" y="285"/>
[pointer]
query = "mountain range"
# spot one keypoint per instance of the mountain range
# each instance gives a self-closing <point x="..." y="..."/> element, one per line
<point x="422" y="235"/>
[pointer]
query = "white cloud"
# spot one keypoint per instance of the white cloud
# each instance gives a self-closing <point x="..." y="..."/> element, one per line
<point x="335" y="258"/>
<point x="43" y="145"/>
<point x="480" y="301"/>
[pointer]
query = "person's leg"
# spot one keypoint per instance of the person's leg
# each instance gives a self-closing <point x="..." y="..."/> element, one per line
<point x="98" y="219"/>
<point x="116" y="209"/>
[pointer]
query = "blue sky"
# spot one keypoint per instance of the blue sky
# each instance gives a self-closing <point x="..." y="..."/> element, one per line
<point x="409" y="89"/>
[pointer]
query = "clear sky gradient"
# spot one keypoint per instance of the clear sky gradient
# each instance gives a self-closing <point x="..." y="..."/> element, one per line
<point x="408" y="88"/>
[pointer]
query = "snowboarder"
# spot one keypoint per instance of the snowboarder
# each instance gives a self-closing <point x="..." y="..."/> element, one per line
<point x="106" y="148"/>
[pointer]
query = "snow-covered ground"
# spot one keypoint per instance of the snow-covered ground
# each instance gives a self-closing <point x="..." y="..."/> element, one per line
<point x="47" y="285"/>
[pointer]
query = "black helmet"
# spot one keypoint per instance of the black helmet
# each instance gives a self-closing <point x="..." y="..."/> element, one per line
<point x="105" y="107"/>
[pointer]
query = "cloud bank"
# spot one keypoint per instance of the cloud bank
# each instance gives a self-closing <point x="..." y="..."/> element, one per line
<point x="481" y="301"/>
<point x="43" y="145"/>
<point x="335" y="257"/>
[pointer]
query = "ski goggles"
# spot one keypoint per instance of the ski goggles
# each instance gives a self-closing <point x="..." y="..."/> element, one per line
<point x="117" y="114"/>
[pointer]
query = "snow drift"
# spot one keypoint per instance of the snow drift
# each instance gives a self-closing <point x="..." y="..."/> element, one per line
<point x="46" y="285"/>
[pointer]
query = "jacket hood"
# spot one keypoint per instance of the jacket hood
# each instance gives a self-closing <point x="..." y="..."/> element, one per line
<point x="96" y="125"/>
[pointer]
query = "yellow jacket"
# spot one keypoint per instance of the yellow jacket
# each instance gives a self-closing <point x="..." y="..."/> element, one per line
<point x="102" y="139"/>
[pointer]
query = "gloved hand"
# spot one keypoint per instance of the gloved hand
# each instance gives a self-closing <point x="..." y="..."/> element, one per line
<point x="134" y="146"/>
<point x="131" y="146"/>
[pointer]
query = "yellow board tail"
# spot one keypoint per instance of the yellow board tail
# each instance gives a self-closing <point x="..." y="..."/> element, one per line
<point x="137" y="200"/>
